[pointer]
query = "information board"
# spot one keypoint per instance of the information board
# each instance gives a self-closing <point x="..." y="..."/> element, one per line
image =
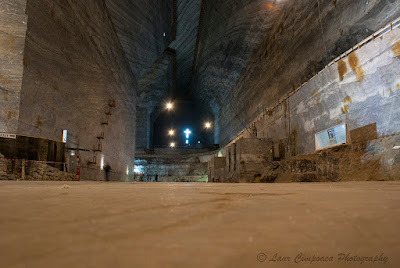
<point x="331" y="137"/>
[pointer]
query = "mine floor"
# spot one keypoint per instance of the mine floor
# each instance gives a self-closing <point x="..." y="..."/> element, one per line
<point x="99" y="224"/>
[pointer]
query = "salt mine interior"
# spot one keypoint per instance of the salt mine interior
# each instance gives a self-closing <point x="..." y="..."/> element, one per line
<point x="191" y="133"/>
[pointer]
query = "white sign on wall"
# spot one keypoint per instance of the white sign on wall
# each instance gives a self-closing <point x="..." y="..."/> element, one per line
<point x="65" y="135"/>
<point x="331" y="137"/>
<point x="8" y="136"/>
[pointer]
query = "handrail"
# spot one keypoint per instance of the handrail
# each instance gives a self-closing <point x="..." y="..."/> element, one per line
<point x="372" y="37"/>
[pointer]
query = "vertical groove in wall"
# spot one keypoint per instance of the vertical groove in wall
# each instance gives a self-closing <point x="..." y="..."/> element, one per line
<point x="117" y="38"/>
<point x="175" y="74"/>
<point x="175" y="19"/>
<point x="196" y="50"/>
<point x="171" y="52"/>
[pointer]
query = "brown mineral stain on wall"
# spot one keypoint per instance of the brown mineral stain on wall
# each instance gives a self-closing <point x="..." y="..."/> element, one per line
<point x="346" y="101"/>
<point x="8" y="43"/>
<point x="353" y="61"/>
<point x="5" y="94"/>
<point x="342" y="69"/>
<point x="316" y="97"/>
<point x="396" y="49"/>
<point x="359" y="74"/>
<point x="4" y="79"/>
<point x="354" y="65"/>
<point x="9" y="115"/>
<point x="39" y="121"/>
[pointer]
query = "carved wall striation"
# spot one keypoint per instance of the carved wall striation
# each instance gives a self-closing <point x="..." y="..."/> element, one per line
<point x="254" y="52"/>
<point x="74" y="65"/>
<point x="12" y="40"/>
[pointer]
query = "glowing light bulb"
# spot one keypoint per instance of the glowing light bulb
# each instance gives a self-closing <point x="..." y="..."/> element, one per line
<point x="207" y="125"/>
<point x="169" y="106"/>
<point x="172" y="144"/>
<point x="171" y="132"/>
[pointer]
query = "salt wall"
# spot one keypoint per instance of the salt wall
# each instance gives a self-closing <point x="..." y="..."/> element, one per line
<point x="252" y="53"/>
<point x="360" y="89"/>
<point x="74" y="66"/>
<point x="12" y="41"/>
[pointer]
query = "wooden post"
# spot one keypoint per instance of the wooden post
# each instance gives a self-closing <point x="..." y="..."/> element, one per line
<point x="23" y="170"/>
<point x="78" y="169"/>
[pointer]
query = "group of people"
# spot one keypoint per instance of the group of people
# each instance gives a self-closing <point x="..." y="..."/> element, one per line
<point x="143" y="177"/>
<point x="138" y="177"/>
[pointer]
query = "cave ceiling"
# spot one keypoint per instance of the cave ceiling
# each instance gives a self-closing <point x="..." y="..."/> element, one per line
<point x="208" y="51"/>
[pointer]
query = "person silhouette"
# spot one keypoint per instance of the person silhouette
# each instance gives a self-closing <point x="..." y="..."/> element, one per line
<point x="107" y="169"/>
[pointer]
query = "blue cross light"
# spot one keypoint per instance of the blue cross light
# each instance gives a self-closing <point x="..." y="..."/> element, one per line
<point x="187" y="133"/>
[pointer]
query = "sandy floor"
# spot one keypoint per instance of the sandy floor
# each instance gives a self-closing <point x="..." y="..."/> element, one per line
<point x="98" y="224"/>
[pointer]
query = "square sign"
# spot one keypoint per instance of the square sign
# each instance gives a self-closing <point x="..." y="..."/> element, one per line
<point x="331" y="137"/>
<point x="65" y="135"/>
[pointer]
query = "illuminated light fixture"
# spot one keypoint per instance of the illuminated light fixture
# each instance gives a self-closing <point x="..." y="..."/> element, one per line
<point x="164" y="34"/>
<point x="171" y="132"/>
<point x="169" y="106"/>
<point x="207" y="125"/>
<point x="199" y="142"/>
<point x="102" y="162"/>
<point x="187" y="133"/>
<point x="127" y="170"/>
<point x="172" y="145"/>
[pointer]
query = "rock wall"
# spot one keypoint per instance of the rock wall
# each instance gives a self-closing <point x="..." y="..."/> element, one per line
<point x="12" y="40"/>
<point x="75" y="70"/>
<point x="241" y="73"/>
<point x="30" y="148"/>
<point x="3" y="168"/>
<point x="372" y="160"/>
<point x="154" y="88"/>
<point x="230" y="32"/>
<point x="362" y="91"/>
<point x="145" y="29"/>
<point x="140" y="25"/>
<point x="142" y="129"/>
<point x="359" y="90"/>
<point x="185" y="44"/>
<point x="375" y="160"/>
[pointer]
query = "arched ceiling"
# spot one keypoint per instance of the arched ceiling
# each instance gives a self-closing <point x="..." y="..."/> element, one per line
<point x="237" y="56"/>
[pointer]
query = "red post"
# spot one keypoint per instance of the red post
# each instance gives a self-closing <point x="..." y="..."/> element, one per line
<point x="78" y="169"/>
